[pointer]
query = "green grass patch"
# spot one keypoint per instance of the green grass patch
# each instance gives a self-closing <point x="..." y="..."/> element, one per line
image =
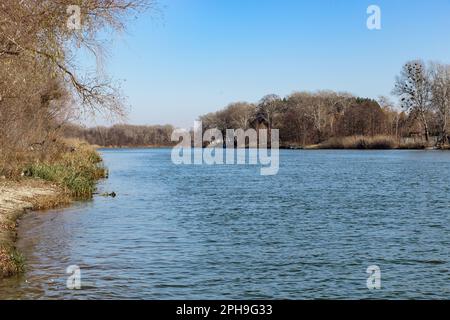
<point x="18" y="261"/>
<point x="77" y="171"/>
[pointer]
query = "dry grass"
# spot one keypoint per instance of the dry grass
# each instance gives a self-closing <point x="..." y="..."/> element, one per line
<point x="380" y="142"/>
<point x="11" y="262"/>
<point x="15" y="199"/>
<point x="360" y="142"/>
<point x="71" y="171"/>
<point x="418" y="145"/>
<point x="77" y="170"/>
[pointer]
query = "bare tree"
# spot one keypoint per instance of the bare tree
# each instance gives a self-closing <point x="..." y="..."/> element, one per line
<point x="38" y="32"/>
<point x="240" y="115"/>
<point x="392" y="115"/>
<point x="413" y="86"/>
<point x="441" y="98"/>
<point x="268" y="108"/>
<point x="41" y="83"/>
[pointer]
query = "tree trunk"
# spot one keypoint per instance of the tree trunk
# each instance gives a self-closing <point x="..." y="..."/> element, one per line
<point x="443" y="139"/>
<point x="425" y="127"/>
<point x="427" y="133"/>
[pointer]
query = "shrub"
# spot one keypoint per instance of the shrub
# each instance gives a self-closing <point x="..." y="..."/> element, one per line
<point x="360" y="142"/>
<point x="413" y="146"/>
<point x="77" y="170"/>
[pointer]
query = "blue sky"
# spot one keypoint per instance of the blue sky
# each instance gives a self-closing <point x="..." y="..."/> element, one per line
<point x="197" y="56"/>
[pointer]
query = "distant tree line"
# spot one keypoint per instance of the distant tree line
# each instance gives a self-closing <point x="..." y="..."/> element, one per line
<point x="122" y="135"/>
<point x="306" y="118"/>
<point x="309" y="118"/>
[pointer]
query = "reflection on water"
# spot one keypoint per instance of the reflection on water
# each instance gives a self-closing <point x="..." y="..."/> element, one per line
<point x="226" y="232"/>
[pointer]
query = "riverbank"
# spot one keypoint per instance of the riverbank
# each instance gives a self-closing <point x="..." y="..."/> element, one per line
<point x="378" y="142"/>
<point x="16" y="198"/>
<point x="107" y="234"/>
<point x="367" y="143"/>
<point x="44" y="185"/>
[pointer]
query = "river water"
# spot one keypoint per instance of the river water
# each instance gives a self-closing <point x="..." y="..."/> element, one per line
<point x="226" y="232"/>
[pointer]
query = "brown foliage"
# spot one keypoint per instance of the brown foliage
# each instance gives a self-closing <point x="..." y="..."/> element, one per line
<point x="40" y="86"/>
<point x="122" y="135"/>
<point x="305" y="118"/>
<point x="365" y="118"/>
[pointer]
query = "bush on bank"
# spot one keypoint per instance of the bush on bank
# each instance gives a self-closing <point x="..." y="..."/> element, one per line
<point x="76" y="170"/>
<point x="380" y="142"/>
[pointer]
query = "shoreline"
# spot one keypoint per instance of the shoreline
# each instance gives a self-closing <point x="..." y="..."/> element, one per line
<point x="378" y="142"/>
<point x="16" y="199"/>
<point x="45" y="185"/>
<point x="31" y="194"/>
<point x="285" y="147"/>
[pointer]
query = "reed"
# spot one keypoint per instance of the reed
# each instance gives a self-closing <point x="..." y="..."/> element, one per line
<point x="380" y="142"/>
<point x="76" y="170"/>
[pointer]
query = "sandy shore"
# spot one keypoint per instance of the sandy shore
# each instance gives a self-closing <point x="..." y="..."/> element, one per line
<point x="16" y="198"/>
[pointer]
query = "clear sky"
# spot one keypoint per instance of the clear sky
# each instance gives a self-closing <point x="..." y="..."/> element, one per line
<point x="197" y="56"/>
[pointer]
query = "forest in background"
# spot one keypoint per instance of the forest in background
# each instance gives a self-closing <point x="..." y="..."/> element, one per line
<point x="44" y="93"/>
<point x="324" y="118"/>
<point x="121" y="135"/>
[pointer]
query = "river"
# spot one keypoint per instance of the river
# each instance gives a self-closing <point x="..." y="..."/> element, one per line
<point x="226" y="232"/>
